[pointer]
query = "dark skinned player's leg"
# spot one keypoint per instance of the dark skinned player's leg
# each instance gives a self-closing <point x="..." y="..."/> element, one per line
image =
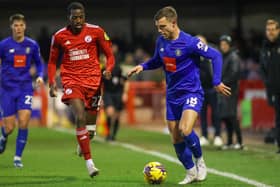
<point x="78" y="108"/>
<point x="91" y="117"/>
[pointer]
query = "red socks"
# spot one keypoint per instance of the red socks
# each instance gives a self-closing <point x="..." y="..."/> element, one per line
<point x="84" y="141"/>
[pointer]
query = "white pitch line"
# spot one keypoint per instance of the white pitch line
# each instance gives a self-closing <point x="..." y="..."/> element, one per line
<point x="175" y="160"/>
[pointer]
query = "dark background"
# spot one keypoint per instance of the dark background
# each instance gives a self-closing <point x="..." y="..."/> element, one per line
<point x="130" y="23"/>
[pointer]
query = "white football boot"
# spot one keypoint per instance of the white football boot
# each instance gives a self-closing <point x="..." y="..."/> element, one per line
<point x="92" y="170"/>
<point x="17" y="162"/>
<point x="190" y="176"/>
<point x="201" y="169"/>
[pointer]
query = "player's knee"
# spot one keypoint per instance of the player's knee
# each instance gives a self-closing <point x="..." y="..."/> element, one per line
<point x="9" y="128"/>
<point x="186" y="129"/>
<point x="110" y="111"/>
<point x="177" y="139"/>
<point x="23" y="123"/>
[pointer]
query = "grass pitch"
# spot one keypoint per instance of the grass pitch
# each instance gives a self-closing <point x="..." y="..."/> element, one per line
<point x="50" y="160"/>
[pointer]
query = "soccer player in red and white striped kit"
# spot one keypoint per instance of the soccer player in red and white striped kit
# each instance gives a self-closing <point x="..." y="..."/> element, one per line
<point x="80" y="44"/>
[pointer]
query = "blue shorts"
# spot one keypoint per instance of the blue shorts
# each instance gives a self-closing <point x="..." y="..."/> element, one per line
<point x="12" y="102"/>
<point x="191" y="101"/>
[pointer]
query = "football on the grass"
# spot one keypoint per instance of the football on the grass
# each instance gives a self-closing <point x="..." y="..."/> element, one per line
<point x="154" y="173"/>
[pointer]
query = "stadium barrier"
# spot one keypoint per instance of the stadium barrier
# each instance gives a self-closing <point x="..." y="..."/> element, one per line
<point x="39" y="107"/>
<point x="146" y="105"/>
<point x="145" y="101"/>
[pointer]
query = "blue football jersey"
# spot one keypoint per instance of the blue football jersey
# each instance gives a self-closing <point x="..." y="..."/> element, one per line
<point x="179" y="59"/>
<point x="16" y="59"/>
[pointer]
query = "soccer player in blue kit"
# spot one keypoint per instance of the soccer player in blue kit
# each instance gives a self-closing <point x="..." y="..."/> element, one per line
<point x="16" y="91"/>
<point x="178" y="54"/>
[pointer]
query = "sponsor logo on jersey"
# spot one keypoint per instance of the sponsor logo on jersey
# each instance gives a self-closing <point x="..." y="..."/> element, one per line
<point x="178" y="52"/>
<point x="68" y="91"/>
<point x="170" y="64"/>
<point x="11" y="50"/>
<point x="106" y="37"/>
<point x="88" y="38"/>
<point x="19" y="61"/>
<point x="27" y="50"/>
<point x="78" y="55"/>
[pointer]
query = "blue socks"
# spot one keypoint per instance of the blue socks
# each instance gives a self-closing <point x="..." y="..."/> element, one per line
<point x="21" y="141"/>
<point x="184" y="154"/>
<point x="192" y="142"/>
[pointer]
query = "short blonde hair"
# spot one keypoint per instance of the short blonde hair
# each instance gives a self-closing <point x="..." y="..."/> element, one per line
<point x="169" y="12"/>
<point x="272" y="22"/>
<point x="16" y="17"/>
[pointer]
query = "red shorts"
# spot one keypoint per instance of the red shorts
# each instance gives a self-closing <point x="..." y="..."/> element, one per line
<point x="91" y="97"/>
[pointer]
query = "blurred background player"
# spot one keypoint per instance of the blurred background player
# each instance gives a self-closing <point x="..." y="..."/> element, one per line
<point x="114" y="96"/>
<point x="270" y="65"/>
<point x="228" y="105"/>
<point x="178" y="54"/>
<point x="80" y="73"/>
<point x="16" y="54"/>
<point x="210" y="99"/>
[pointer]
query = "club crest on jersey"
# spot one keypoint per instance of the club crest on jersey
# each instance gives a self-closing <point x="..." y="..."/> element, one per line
<point x="68" y="91"/>
<point x="88" y="38"/>
<point x="67" y="42"/>
<point x="27" y="50"/>
<point x="161" y="49"/>
<point x="178" y="52"/>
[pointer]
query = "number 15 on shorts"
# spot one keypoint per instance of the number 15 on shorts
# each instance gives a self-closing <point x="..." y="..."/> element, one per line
<point x="192" y="101"/>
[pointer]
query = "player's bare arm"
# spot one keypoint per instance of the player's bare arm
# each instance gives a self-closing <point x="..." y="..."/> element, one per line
<point x="135" y="70"/>
<point x="223" y="89"/>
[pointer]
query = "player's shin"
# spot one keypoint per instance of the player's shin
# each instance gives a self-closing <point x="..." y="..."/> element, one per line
<point x="4" y="134"/>
<point x="21" y="141"/>
<point x="184" y="154"/>
<point x="3" y="140"/>
<point x="192" y="141"/>
<point x="84" y="142"/>
<point x="115" y="129"/>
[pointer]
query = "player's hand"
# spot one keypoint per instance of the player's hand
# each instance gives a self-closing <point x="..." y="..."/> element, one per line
<point x="107" y="74"/>
<point x="39" y="81"/>
<point x="53" y="90"/>
<point x="135" y="70"/>
<point x="124" y="97"/>
<point x="223" y="89"/>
